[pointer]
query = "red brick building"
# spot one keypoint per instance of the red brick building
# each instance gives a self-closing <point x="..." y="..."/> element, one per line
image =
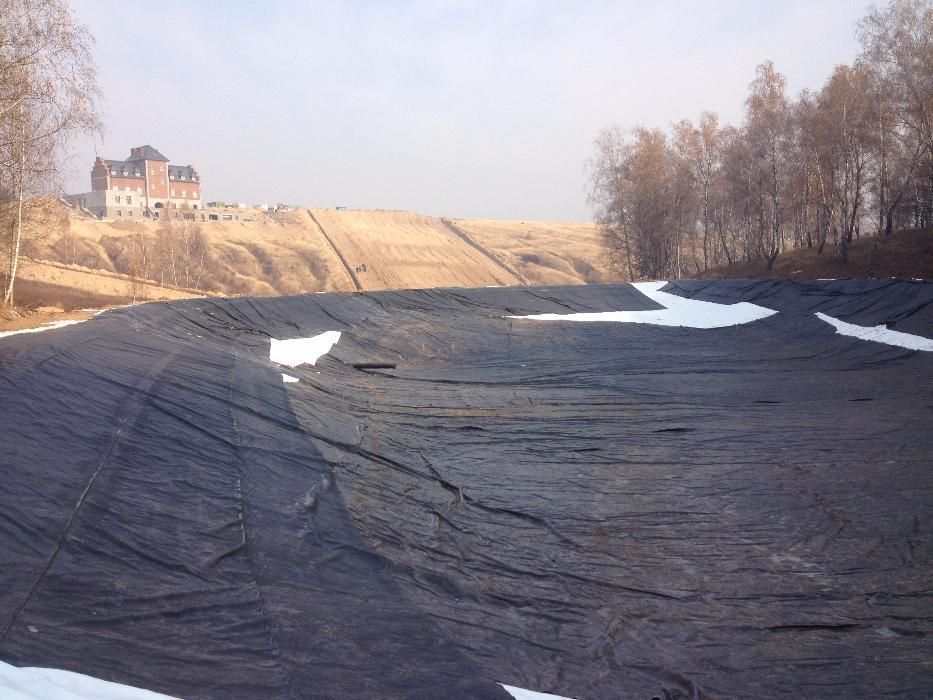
<point x="144" y="185"/>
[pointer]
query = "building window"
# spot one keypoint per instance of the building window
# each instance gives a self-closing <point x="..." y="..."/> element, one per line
<point x="118" y="199"/>
<point x="195" y="206"/>
<point x="129" y="212"/>
<point x="174" y="205"/>
<point x="119" y="212"/>
<point x="129" y="200"/>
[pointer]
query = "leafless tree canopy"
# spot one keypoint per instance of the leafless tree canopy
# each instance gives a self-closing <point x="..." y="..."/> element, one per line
<point x="851" y="159"/>
<point x="48" y="93"/>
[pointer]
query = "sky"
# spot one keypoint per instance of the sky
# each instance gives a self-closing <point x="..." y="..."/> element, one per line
<point x="467" y="109"/>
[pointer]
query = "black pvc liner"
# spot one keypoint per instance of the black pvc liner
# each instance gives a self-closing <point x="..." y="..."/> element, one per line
<point x="591" y="509"/>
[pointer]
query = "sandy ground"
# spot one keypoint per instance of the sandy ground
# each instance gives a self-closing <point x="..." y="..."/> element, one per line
<point x="402" y="250"/>
<point x="543" y="252"/>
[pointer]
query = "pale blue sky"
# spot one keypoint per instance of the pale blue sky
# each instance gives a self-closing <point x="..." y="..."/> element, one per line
<point x="465" y="109"/>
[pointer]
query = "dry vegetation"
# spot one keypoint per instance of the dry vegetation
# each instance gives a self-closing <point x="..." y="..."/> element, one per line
<point x="281" y="254"/>
<point x="79" y="262"/>
<point x="543" y="252"/>
<point x="822" y="169"/>
<point x="907" y="254"/>
<point x="288" y="254"/>
<point x="403" y="250"/>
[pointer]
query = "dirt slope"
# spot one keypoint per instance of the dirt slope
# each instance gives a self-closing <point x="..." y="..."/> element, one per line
<point x="403" y="250"/>
<point x="543" y="252"/>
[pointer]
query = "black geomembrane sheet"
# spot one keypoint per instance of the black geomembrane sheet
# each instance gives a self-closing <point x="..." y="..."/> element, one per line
<point x="596" y="510"/>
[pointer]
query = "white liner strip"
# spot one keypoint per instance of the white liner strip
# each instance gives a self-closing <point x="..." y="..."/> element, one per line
<point x="288" y="379"/>
<point x="302" y="351"/>
<point x="50" y="684"/>
<point x="879" y="334"/>
<point x="522" y="694"/>
<point x="685" y="313"/>
<point x="46" y="327"/>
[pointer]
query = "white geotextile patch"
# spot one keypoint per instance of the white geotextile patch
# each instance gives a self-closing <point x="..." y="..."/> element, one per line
<point x="51" y="684"/>
<point x="46" y="327"/>
<point x="522" y="694"/>
<point x="302" y="351"/>
<point x="879" y="334"/>
<point x="288" y="379"/>
<point x="678" y="311"/>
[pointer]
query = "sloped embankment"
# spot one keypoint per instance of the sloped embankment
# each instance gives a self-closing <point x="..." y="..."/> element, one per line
<point x="543" y="252"/>
<point x="401" y="250"/>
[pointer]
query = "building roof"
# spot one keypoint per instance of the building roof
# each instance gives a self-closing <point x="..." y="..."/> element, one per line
<point x="146" y="152"/>
<point x="182" y="172"/>
<point x="125" y="168"/>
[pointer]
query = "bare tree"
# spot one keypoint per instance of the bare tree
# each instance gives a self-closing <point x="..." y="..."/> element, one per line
<point x="48" y="94"/>
<point x="796" y="173"/>
<point x="606" y="170"/>
<point x="138" y="260"/>
<point x="768" y="127"/>
<point x="845" y="129"/>
<point x="897" y="48"/>
<point x="180" y="248"/>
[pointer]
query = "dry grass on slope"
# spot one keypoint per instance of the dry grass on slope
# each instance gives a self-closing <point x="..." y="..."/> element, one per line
<point x="402" y="250"/>
<point x="281" y="254"/>
<point x="543" y="252"/>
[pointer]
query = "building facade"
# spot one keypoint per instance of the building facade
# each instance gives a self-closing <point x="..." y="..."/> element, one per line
<point x="143" y="186"/>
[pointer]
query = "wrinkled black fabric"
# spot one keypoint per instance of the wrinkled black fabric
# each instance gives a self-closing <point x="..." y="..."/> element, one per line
<point x="598" y="510"/>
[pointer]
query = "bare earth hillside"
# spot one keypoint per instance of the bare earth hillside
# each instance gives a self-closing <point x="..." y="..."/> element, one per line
<point x="401" y="250"/>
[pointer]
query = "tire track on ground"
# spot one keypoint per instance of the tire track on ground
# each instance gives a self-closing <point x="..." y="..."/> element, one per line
<point x="466" y="238"/>
<point x="343" y="260"/>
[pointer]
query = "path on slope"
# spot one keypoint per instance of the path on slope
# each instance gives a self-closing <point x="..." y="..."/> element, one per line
<point x="402" y="250"/>
<point x="542" y="252"/>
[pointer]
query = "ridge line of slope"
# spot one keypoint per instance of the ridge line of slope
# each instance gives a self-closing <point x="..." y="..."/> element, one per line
<point x="466" y="238"/>
<point x="336" y="250"/>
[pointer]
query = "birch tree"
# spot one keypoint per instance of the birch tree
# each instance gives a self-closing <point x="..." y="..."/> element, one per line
<point x="48" y="95"/>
